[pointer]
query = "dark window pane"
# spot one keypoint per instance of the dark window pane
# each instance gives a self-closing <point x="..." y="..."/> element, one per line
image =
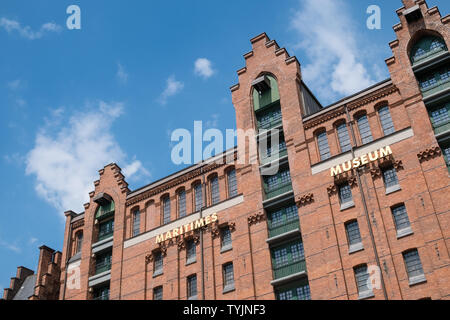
<point x="345" y="193"/>
<point x="362" y="277"/>
<point x="386" y="120"/>
<point x="158" y="293"/>
<point x="400" y="217"/>
<point x="232" y="184"/>
<point x="390" y="177"/>
<point x="413" y="264"/>
<point x="215" y="195"/>
<point x="181" y="203"/>
<point x="353" y="233"/>
<point x="198" y="196"/>
<point x="166" y="210"/>
<point x="344" y="138"/>
<point x="136" y="222"/>
<point x="324" y="149"/>
<point x="364" y="129"/>
<point x="228" y="275"/>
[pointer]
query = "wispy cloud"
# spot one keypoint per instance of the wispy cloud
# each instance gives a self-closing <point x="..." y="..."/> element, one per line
<point x="121" y="74"/>
<point x="203" y="68"/>
<point x="10" y="246"/>
<point x="65" y="160"/>
<point x="328" y="36"/>
<point x="213" y="122"/>
<point x="12" y="26"/>
<point x="172" y="88"/>
<point x="14" y="84"/>
<point x="32" y="240"/>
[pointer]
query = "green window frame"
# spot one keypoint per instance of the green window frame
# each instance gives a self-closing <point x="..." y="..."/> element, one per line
<point x="283" y="220"/>
<point x="288" y="258"/>
<point x="440" y="117"/>
<point x="435" y="81"/>
<point x="101" y="293"/>
<point x="296" y="291"/>
<point x="426" y="47"/>
<point x="105" y="211"/>
<point x="278" y="183"/>
<point x="103" y="262"/>
<point x="445" y="146"/>
<point x="269" y="117"/>
<point x="105" y="229"/>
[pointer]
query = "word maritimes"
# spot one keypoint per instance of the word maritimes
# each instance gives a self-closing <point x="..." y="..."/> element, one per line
<point x="361" y="161"/>
<point x="199" y="223"/>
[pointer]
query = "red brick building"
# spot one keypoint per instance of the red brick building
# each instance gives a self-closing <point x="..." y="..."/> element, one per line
<point x="361" y="195"/>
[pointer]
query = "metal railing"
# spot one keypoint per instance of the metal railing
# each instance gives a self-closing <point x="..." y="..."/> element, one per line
<point x="273" y="192"/>
<point x="105" y="235"/>
<point x="289" y="269"/>
<point x="281" y="154"/>
<point x="286" y="226"/>
<point x="427" y="55"/>
<point x="439" y="86"/>
<point x="102" y="267"/>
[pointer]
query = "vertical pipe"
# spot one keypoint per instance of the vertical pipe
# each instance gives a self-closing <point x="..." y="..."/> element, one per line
<point x="201" y="234"/>
<point x="366" y="211"/>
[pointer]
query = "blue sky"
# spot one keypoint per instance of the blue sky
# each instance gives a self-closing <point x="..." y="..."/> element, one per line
<point x="75" y="100"/>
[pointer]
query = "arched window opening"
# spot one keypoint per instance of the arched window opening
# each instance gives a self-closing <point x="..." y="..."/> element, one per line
<point x="426" y="47"/>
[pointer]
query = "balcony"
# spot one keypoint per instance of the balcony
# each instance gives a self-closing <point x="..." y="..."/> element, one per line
<point x="298" y="267"/>
<point x="105" y="235"/>
<point x="102" y="267"/>
<point x="279" y="190"/>
<point x="267" y="159"/>
<point x="269" y="116"/>
<point x="102" y="297"/>
<point x="428" y="56"/>
<point x="439" y="86"/>
<point x="285" y="227"/>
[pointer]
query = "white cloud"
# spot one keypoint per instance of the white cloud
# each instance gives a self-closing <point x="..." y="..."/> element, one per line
<point x="213" y="122"/>
<point x="15" y="84"/>
<point x="33" y="240"/>
<point x="203" y="68"/>
<point x="328" y="37"/>
<point x="121" y="74"/>
<point x="172" y="88"/>
<point x="26" y="31"/>
<point x="10" y="246"/>
<point x="65" y="160"/>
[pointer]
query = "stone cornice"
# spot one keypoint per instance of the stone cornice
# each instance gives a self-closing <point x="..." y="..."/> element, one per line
<point x="377" y="95"/>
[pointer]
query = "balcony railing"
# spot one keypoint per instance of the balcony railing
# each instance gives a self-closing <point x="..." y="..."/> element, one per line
<point x="102" y="267"/>
<point x="276" y="230"/>
<point x="441" y="127"/>
<point x="105" y="235"/>
<point x="102" y="297"/>
<point x="440" y="85"/>
<point x="428" y="55"/>
<point x="273" y="192"/>
<point x="281" y="154"/>
<point x="289" y="269"/>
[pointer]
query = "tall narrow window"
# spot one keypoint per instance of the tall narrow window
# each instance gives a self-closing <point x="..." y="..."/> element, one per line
<point x="225" y="237"/>
<point x="103" y="262"/>
<point x="353" y="236"/>
<point x="191" y="252"/>
<point x="386" y="120"/>
<point x="157" y="263"/>
<point x="158" y="293"/>
<point x="181" y="203"/>
<point x="345" y="196"/>
<point x="232" y="184"/>
<point x="324" y="149"/>
<point x="215" y="194"/>
<point x="166" y="210"/>
<point x="343" y="137"/>
<point x="390" y="179"/>
<point x="105" y="229"/>
<point x="101" y="293"/>
<point x="136" y="222"/>
<point x="228" y="277"/>
<point x="192" y="287"/>
<point x="401" y="220"/>
<point x="362" y="282"/>
<point x="413" y="266"/>
<point x="79" y="242"/>
<point x="364" y="129"/>
<point x="198" y="191"/>
<point x="445" y="146"/>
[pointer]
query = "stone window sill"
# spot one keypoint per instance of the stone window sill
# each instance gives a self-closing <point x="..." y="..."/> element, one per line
<point x="190" y="262"/>
<point x="226" y="248"/>
<point x="229" y="288"/>
<point x="355" y="247"/>
<point x="417" y="279"/>
<point x="365" y="295"/>
<point x="157" y="273"/>
<point x="346" y="205"/>
<point x="393" y="189"/>
<point x="404" y="232"/>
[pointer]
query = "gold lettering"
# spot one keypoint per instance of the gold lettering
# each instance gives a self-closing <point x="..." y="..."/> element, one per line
<point x="375" y="157"/>
<point x="364" y="159"/>
<point x="214" y="217"/>
<point x="175" y="233"/>
<point x="336" y="170"/>
<point x="199" y="223"/>
<point x="349" y="163"/>
<point x="356" y="163"/>
<point x="207" y="219"/>
<point x="160" y="238"/>
<point x="385" y="151"/>
<point x="168" y="235"/>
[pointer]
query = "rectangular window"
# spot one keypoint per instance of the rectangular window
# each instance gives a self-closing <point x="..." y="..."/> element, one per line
<point x="136" y="222"/>
<point x="232" y="184"/>
<point x="413" y="264"/>
<point x="157" y="263"/>
<point x="343" y="137"/>
<point x="390" y="177"/>
<point x="228" y="276"/>
<point x="103" y="262"/>
<point x="198" y="190"/>
<point x="215" y="195"/>
<point x="191" y="252"/>
<point x="362" y="281"/>
<point x="181" y="203"/>
<point x="445" y="146"/>
<point x="353" y="234"/>
<point x="192" y="287"/>
<point x="288" y="254"/>
<point x="105" y="230"/>
<point x="324" y="149"/>
<point x="364" y="129"/>
<point x="386" y="120"/>
<point x="79" y="242"/>
<point x="166" y="210"/>
<point x="158" y="293"/>
<point x="101" y="293"/>
<point x="345" y="194"/>
<point x="297" y="291"/>
<point x="225" y="237"/>
<point x="401" y="218"/>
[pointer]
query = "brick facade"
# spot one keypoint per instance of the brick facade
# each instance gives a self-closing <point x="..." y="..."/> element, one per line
<point x="320" y="261"/>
